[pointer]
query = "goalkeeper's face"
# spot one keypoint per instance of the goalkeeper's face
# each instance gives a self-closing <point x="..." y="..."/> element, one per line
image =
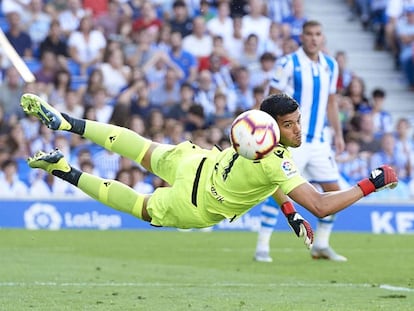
<point x="290" y="129"/>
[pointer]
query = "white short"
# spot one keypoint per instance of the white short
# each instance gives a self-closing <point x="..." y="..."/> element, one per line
<point x="316" y="162"/>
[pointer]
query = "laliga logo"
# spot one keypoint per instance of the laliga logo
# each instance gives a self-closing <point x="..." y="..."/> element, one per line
<point x="42" y="216"/>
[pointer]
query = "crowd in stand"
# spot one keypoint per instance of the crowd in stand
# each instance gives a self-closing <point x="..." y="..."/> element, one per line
<point x="174" y="71"/>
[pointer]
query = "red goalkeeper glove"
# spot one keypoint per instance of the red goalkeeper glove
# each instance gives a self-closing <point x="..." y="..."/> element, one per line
<point x="379" y="179"/>
<point x="299" y="225"/>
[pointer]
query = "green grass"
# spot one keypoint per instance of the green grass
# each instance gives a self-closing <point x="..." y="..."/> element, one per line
<point x="170" y="270"/>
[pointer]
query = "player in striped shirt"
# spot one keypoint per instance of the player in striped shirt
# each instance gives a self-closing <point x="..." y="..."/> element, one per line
<point x="310" y="77"/>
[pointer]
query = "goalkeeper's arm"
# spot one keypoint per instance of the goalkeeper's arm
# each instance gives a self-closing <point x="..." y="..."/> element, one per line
<point x="328" y="203"/>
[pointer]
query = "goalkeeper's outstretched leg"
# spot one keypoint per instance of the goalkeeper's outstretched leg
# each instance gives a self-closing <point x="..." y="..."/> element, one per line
<point x="114" y="138"/>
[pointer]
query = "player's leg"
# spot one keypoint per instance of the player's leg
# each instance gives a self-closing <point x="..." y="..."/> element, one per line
<point x="109" y="192"/>
<point x="323" y="171"/>
<point x="268" y="218"/>
<point x="114" y="138"/>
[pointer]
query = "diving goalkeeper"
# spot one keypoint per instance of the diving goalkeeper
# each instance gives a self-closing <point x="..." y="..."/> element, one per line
<point x="206" y="186"/>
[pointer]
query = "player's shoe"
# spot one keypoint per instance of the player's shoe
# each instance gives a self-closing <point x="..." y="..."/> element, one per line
<point x="326" y="253"/>
<point x="52" y="161"/>
<point x="35" y="106"/>
<point x="263" y="257"/>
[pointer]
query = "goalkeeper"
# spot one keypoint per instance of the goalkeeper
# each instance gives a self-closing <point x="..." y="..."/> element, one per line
<point x="206" y="186"/>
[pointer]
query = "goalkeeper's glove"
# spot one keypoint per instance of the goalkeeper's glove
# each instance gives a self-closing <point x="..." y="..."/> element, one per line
<point x="380" y="178"/>
<point x="299" y="225"/>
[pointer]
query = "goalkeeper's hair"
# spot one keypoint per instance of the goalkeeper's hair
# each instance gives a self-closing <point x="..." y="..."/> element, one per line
<point x="278" y="105"/>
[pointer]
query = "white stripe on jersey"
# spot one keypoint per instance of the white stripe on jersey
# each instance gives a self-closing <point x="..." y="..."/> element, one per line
<point x="310" y="83"/>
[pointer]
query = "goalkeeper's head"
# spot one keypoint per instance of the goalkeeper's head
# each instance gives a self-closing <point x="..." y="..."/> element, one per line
<point x="285" y="110"/>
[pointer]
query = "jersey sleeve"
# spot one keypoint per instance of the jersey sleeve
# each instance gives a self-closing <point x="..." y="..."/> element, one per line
<point x="282" y="75"/>
<point x="285" y="172"/>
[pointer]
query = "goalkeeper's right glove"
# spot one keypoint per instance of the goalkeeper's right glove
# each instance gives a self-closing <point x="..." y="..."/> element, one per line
<point x="299" y="225"/>
<point x="379" y="179"/>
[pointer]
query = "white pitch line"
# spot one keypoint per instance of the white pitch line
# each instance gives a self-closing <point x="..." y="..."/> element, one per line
<point x="155" y="284"/>
<point x="396" y="288"/>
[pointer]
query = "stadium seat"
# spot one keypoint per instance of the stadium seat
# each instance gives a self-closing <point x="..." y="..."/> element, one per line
<point x="4" y="25"/>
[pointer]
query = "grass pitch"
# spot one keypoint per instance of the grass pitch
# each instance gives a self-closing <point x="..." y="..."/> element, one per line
<point x="170" y="270"/>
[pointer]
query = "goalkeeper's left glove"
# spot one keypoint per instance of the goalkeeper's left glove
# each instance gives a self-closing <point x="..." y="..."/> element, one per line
<point x="380" y="178"/>
<point x="299" y="225"/>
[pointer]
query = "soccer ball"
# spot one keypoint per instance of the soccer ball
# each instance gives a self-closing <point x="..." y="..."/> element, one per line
<point x="254" y="134"/>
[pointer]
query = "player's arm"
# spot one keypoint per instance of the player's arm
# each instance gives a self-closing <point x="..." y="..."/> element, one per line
<point x="328" y="203"/>
<point x="299" y="225"/>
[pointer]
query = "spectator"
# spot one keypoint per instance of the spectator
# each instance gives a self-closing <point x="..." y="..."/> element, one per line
<point x="138" y="181"/>
<point x="20" y="6"/>
<point x="365" y="133"/>
<point x="61" y="85"/>
<point x="222" y="117"/>
<point x="204" y="93"/>
<point x="124" y="175"/>
<point x="250" y="54"/>
<point x="199" y="42"/>
<point x="234" y="44"/>
<point x="11" y="89"/>
<point x="148" y="19"/>
<point x="10" y="184"/>
<point x="36" y="22"/>
<point x="185" y="60"/>
<point x="109" y="21"/>
<point x="94" y="84"/>
<point x="70" y="18"/>
<point x="404" y="144"/>
<point x="44" y="139"/>
<point x="18" y="38"/>
<point x="277" y="10"/>
<point x="181" y="21"/>
<point x="102" y="106"/>
<point x="140" y="49"/>
<point x="46" y="186"/>
<point x="141" y="104"/>
<point x="387" y="154"/>
<point x="255" y="22"/>
<point x="222" y="24"/>
<point x="382" y="118"/>
<point x="72" y="104"/>
<point x="351" y="163"/>
<point x="274" y="43"/>
<point x="167" y="93"/>
<point x="157" y="67"/>
<point x="356" y="92"/>
<point x="115" y="74"/>
<point x="180" y="109"/>
<point x="244" y="93"/>
<point x="106" y="163"/>
<point x="196" y="119"/>
<point x="262" y="75"/>
<point x="55" y="43"/>
<point x="295" y="21"/>
<point x="405" y="36"/>
<point x="46" y="74"/>
<point x="344" y="73"/>
<point x="86" y="45"/>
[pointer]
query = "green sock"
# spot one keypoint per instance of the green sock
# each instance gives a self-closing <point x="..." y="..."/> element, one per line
<point x="117" y="139"/>
<point x="112" y="193"/>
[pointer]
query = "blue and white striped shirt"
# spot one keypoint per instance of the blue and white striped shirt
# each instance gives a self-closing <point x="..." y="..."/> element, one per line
<point x="310" y="83"/>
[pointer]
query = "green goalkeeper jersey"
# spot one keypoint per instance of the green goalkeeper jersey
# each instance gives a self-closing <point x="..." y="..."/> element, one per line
<point x="235" y="184"/>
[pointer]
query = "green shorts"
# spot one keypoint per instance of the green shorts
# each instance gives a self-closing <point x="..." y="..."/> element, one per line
<point x="185" y="167"/>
